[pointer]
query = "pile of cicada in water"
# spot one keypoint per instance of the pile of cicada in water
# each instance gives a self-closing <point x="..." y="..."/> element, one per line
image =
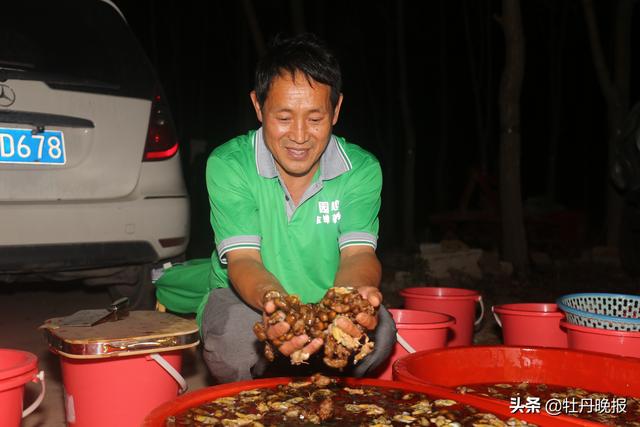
<point x="324" y="401"/>
<point x="319" y="321"/>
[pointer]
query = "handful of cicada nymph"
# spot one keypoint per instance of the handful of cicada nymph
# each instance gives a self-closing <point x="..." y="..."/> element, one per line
<point x="319" y="321"/>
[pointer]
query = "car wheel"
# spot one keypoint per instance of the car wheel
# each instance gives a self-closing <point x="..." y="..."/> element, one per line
<point x="142" y="294"/>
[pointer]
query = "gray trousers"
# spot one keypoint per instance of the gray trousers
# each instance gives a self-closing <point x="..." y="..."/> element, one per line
<point x="233" y="353"/>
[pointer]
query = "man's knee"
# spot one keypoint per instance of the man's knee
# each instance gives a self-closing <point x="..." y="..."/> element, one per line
<point x="230" y="347"/>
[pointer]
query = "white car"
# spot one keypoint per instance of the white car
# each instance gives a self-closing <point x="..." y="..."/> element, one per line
<point x="91" y="185"/>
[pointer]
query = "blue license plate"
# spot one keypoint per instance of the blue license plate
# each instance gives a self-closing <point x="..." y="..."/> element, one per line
<point x="23" y="146"/>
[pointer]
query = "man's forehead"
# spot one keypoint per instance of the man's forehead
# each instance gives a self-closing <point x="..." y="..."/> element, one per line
<point x="290" y="110"/>
<point x="287" y="91"/>
<point x="297" y="77"/>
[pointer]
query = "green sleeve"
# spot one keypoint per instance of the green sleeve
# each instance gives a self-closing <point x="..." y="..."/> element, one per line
<point x="360" y="205"/>
<point x="234" y="211"/>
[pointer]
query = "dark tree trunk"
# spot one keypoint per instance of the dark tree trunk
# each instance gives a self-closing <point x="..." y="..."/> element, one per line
<point x="480" y="58"/>
<point x="153" y="35"/>
<point x="319" y="18"/>
<point x="440" y="168"/>
<point x="297" y="16"/>
<point x="514" y="241"/>
<point x="254" y="27"/>
<point x="615" y="88"/>
<point x="390" y="193"/>
<point x="557" y="33"/>
<point x="176" y="78"/>
<point x="245" y="48"/>
<point x="369" y="87"/>
<point x="475" y="56"/>
<point x="409" y="136"/>
<point x="490" y="98"/>
<point x="202" y="97"/>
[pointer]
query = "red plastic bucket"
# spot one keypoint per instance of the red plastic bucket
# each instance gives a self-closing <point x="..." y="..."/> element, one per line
<point x="17" y="368"/>
<point x="531" y="324"/>
<point x="117" y="390"/>
<point x="114" y="373"/>
<point x="417" y="330"/>
<point x="456" y="302"/>
<point x="620" y="343"/>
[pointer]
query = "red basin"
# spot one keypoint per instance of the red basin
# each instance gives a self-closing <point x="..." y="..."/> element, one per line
<point x="457" y="366"/>
<point x="158" y="416"/>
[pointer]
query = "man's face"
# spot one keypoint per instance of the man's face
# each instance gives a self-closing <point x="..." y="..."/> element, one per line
<point x="297" y="119"/>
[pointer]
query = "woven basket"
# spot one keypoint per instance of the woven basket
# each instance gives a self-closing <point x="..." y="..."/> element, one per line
<point x="616" y="312"/>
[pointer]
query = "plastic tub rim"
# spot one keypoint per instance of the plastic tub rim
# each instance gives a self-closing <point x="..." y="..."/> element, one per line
<point x="416" y="289"/>
<point x="464" y="294"/>
<point x="509" y="305"/>
<point x="400" y="364"/>
<point x="445" y="322"/>
<point x="608" y="332"/>
<point x="28" y="364"/>
<point x="500" y="309"/>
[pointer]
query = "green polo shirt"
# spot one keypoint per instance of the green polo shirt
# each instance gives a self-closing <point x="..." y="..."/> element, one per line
<point x="300" y="245"/>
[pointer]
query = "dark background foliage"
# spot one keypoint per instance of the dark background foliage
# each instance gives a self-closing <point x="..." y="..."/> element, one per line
<point x="205" y="53"/>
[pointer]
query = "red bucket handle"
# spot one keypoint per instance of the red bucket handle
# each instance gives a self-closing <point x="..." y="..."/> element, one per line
<point x="405" y="344"/>
<point x="495" y="316"/>
<point x="39" y="377"/>
<point x="479" y="319"/>
<point x="171" y="371"/>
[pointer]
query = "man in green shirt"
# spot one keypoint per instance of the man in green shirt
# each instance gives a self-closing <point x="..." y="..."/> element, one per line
<point x="294" y="210"/>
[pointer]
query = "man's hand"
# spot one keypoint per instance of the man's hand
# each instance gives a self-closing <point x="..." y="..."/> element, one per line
<point x="361" y="269"/>
<point x="367" y="321"/>
<point x="279" y="330"/>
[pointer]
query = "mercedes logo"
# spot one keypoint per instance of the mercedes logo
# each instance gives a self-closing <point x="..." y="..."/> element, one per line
<point x="7" y="96"/>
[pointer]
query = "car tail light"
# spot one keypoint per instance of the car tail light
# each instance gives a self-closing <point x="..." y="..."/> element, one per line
<point x="162" y="141"/>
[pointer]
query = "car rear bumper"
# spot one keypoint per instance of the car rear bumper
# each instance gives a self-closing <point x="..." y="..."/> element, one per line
<point x="80" y="235"/>
<point x="74" y="256"/>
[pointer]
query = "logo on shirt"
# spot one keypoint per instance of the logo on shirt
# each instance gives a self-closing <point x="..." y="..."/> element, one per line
<point x="328" y="212"/>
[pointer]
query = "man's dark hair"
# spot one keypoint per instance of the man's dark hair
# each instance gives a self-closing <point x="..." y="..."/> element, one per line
<point x="304" y="53"/>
